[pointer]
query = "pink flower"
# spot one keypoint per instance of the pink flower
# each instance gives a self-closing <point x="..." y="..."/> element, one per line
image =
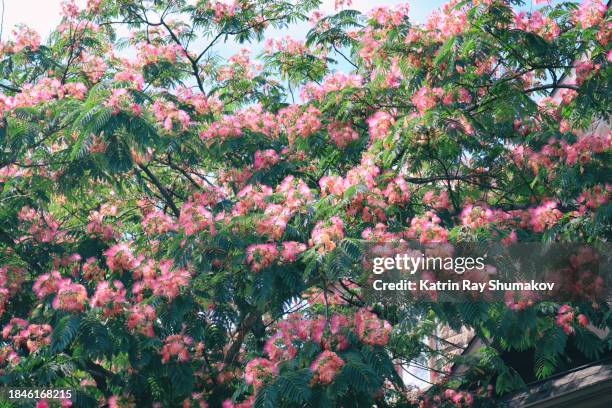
<point x="544" y="216"/>
<point x="261" y="255"/>
<point x="25" y="37"/>
<point x="119" y="257"/>
<point x="47" y="284"/>
<point x="258" y="370"/>
<point x="424" y="99"/>
<point x="325" y="234"/>
<point x="176" y="346"/>
<point x="370" y="329"/>
<point x="141" y="319"/>
<point x="107" y="294"/>
<point x="325" y="367"/>
<point x="590" y="13"/>
<point x="194" y="217"/>
<point x="342" y="134"/>
<point x="379" y="125"/>
<point x="265" y="158"/>
<point x="70" y="297"/>
<point x="158" y="223"/>
<point x="291" y="250"/>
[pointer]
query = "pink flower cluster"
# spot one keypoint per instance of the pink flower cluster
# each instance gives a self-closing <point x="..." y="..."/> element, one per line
<point x="297" y="121"/>
<point x="590" y="13"/>
<point x="457" y="398"/>
<point x="535" y="22"/>
<point x="449" y="21"/>
<point x="148" y="53"/>
<point x="326" y="233"/>
<point x="332" y="84"/>
<point x="544" y="216"/>
<point x="110" y="296"/>
<point x="342" y="134"/>
<point x="70" y="296"/>
<point x="194" y="217"/>
<point x="397" y="191"/>
<point x="389" y="17"/>
<point x="370" y="329"/>
<point x="43" y="227"/>
<point x="200" y="102"/>
<point x="261" y="256"/>
<point x="167" y="115"/>
<point x="119" y="257"/>
<point x="141" y="319"/>
<point x="157" y="223"/>
<point x="265" y="158"/>
<point x="32" y="336"/>
<point x="121" y="100"/>
<point x="379" y="125"/>
<point x="176" y="346"/>
<point x="565" y="319"/>
<point x="25" y="37"/>
<point x="476" y="216"/>
<point x="427" y="228"/>
<point x="425" y="98"/>
<point x="162" y="278"/>
<point x="131" y="76"/>
<point x="258" y="370"/>
<point x="326" y="367"/>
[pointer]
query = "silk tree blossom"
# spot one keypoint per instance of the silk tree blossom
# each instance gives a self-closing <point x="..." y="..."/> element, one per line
<point x="590" y="13"/>
<point x="110" y="296"/>
<point x="427" y="228"/>
<point x="397" y="191"/>
<point x="194" y="217"/>
<point x="119" y="257"/>
<point x="544" y="216"/>
<point x="389" y="16"/>
<point x="47" y="283"/>
<point x="258" y="370"/>
<point x="91" y="270"/>
<point x="162" y="278"/>
<point x="148" y="53"/>
<point x="426" y="98"/>
<point x="326" y="234"/>
<point x="141" y="319"/>
<point x="168" y="115"/>
<point x="326" y="367"/>
<point x="158" y="223"/>
<point x="342" y="134"/>
<point x="476" y="216"/>
<point x="93" y="66"/>
<point x="448" y="21"/>
<point x="121" y="100"/>
<point x="436" y="200"/>
<point x="200" y="103"/>
<point x="131" y="76"/>
<point x="332" y="83"/>
<point x="379" y="125"/>
<point x="265" y="159"/>
<point x="31" y="336"/>
<point x="176" y="345"/>
<point x="535" y="22"/>
<point x="299" y="122"/>
<point x="370" y="329"/>
<point x="291" y="249"/>
<point x="261" y="256"/>
<point x="25" y="37"/>
<point x="70" y="297"/>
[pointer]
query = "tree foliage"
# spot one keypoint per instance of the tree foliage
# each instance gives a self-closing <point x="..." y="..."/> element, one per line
<point x="181" y="228"/>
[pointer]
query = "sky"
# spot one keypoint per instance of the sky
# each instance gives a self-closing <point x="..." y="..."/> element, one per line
<point x="43" y="15"/>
